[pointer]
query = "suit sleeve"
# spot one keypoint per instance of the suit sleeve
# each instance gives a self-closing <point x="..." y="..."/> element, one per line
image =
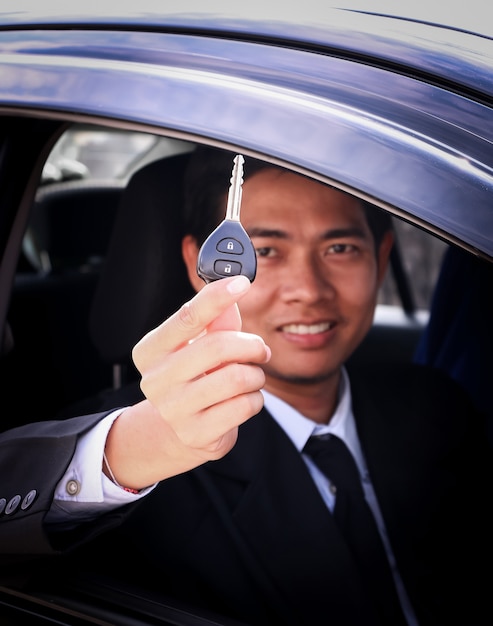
<point x="33" y="459"/>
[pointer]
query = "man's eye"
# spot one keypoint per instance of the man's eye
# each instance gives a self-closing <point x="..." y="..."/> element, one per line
<point x="264" y="252"/>
<point x="340" y="248"/>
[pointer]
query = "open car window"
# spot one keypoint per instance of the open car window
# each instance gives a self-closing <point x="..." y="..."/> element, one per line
<point x="67" y="241"/>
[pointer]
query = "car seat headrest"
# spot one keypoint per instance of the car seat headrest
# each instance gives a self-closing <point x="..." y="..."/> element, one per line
<point x="143" y="278"/>
<point x="70" y="225"/>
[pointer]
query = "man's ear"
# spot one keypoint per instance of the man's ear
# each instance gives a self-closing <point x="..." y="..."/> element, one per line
<point x="190" y="252"/>
<point x="384" y="254"/>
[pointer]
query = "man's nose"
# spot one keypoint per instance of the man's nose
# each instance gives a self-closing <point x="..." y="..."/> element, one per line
<point x="307" y="280"/>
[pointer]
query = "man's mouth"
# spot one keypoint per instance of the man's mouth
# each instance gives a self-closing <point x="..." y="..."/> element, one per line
<point x="306" y="329"/>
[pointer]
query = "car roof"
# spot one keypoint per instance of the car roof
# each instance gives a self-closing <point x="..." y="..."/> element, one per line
<point x="352" y="97"/>
<point x="416" y="36"/>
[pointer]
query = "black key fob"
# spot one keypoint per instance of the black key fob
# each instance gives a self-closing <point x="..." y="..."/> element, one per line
<point x="227" y="251"/>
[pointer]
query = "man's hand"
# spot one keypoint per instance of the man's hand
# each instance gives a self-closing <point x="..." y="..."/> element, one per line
<point x="201" y="379"/>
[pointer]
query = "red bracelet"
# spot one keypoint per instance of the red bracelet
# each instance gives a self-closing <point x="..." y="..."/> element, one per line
<point x="129" y="489"/>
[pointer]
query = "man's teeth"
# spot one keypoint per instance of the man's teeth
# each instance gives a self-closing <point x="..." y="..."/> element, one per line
<point x="304" y="329"/>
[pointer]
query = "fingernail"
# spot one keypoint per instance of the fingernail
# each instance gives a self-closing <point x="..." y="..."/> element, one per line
<point x="238" y="284"/>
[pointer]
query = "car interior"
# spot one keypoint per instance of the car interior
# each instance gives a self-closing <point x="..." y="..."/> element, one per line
<point x="101" y="266"/>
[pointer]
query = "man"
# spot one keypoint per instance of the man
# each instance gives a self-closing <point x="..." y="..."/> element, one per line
<point x="242" y="520"/>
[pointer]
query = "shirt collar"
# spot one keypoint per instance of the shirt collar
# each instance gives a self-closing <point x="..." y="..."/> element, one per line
<point x="299" y="428"/>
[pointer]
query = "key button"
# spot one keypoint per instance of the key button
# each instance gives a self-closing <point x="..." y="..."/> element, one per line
<point x="227" y="268"/>
<point x="233" y="246"/>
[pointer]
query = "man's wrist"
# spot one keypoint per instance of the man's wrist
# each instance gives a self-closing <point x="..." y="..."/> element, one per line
<point x="109" y="473"/>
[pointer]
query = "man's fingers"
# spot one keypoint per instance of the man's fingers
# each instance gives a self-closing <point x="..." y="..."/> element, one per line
<point x="214" y="303"/>
<point x="217" y="348"/>
<point x="216" y="424"/>
<point x="174" y="377"/>
<point x="231" y="381"/>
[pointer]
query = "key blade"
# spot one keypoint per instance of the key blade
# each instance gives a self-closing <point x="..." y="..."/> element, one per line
<point x="235" y="189"/>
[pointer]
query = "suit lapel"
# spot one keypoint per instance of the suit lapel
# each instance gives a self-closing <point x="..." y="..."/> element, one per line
<point x="390" y="451"/>
<point x="285" y="524"/>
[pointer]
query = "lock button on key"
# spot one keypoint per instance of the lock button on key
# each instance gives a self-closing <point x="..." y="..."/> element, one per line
<point x="232" y="246"/>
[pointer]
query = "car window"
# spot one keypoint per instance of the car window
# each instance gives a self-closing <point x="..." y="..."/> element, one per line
<point x="422" y="255"/>
<point x="71" y="225"/>
<point x="92" y="152"/>
<point x="63" y="297"/>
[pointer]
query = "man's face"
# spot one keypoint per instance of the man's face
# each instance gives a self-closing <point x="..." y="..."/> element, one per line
<point x="317" y="279"/>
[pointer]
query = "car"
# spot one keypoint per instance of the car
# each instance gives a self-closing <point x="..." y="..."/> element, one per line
<point x="100" y="106"/>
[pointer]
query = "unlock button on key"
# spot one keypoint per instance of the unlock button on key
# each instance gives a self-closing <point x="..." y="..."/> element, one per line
<point x="227" y="268"/>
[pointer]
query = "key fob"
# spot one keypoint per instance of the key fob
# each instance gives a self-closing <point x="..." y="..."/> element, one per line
<point x="227" y="251"/>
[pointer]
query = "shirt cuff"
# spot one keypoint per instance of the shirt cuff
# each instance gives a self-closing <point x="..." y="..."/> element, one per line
<point x="84" y="490"/>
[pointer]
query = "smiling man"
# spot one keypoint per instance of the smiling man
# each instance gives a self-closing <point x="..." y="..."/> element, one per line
<point x="265" y="479"/>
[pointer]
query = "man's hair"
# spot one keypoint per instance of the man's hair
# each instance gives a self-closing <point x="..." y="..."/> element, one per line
<point x="207" y="181"/>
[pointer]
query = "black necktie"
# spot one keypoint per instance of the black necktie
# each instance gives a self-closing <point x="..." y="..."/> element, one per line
<point x="357" y="524"/>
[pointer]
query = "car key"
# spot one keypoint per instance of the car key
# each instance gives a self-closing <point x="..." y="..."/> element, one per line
<point x="228" y="250"/>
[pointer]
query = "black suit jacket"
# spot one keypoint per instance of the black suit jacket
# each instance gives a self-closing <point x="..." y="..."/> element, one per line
<point x="249" y="535"/>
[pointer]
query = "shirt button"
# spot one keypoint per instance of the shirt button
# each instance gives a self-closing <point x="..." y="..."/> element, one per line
<point x="332" y="489"/>
<point x="72" y="487"/>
